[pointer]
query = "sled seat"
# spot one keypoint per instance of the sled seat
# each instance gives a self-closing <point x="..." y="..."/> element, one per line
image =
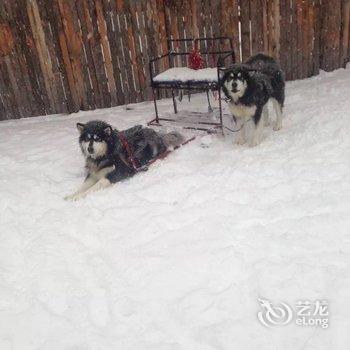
<point x="170" y="73"/>
<point x="181" y="77"/>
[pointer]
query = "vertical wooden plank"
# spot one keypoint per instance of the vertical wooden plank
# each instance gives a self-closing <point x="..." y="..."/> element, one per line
<point x="16" y="65"/>
<point x="131" y="93"/>
<point x="74" y="44"/>
<point x="299" y="53"/>
<point x="233" y="30"/>
<point x="294" y="40"/>
<point x="270" y="24"/>
<point x="3" y="101"/>
<point x="256" y="15"/>
<point x="305" y="37"/>
<point x="89" y="38"/>
<point x="345" y="33"/>
<point x="245" y="29"/>
<point x="265" y="26"/>
<point x="276" y="29"/>
<point x="8" y="95"/>
<point x="288" y="39"/>
<point x="43" y="54"/>
<point x="194" y="13"/>
<point x="35" y="75"/>
<point x="134" y="32"/>
<point x="317" y="35"/>
<point x="283" y="35"/>
<point x="134" y="48"/>
<point x="102" y="28"/>
<point x="330" y="34"/>
<point x="53" y="52"/>
<point x="88" y="34"/>
<point x="110" y="14"/>
<point x="311" y="35"/>
<point x="51" y="9"/>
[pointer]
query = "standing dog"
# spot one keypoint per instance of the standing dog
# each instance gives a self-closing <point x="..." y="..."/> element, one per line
<point x="248" y="88"/>
<point x="108" y="157"/>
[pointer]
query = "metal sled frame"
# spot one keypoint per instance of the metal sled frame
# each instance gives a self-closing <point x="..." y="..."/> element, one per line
<point x="192" y="85"/>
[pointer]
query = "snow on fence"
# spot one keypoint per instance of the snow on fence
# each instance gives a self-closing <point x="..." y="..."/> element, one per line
<point x="59" y="56"/>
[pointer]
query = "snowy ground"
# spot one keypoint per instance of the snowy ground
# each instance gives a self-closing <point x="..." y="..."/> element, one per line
<point x="177" y="257"/>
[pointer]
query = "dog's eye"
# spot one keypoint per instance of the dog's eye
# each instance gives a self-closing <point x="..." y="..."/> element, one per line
<point x="88" y="137"/>
<point x="96" y="138"/>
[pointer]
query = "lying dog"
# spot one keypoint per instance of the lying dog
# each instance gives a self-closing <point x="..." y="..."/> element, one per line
<point x="112" y="156"/>
<point x="248" y="88"/>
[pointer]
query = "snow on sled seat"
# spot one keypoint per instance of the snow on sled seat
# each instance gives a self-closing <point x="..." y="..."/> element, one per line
<point x="180" y="75"/>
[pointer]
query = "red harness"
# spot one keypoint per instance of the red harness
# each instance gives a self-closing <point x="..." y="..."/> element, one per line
<point x="131" y="159"/>
<point x="128" y="150"/>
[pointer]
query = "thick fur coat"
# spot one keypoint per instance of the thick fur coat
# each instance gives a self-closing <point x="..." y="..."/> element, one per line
<point x="248" y="88"/>
<point x="107" y="160"/>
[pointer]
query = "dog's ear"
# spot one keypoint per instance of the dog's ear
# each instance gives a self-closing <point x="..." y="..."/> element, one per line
<point x="252" y="72"/>
<point x="80" y="127"/>
<point x="222" y="74"/>
<point x="108" y="130"/>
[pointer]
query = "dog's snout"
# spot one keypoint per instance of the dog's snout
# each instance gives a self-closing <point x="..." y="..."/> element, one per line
<point x="91" y="148"/>
<point x="234" y="85"/>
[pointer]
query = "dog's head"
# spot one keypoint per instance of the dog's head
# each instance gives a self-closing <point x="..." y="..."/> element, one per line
<point x="235" y="80"/>
<point x="94" y="138"/>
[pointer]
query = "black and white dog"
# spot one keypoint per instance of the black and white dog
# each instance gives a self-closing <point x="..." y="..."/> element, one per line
<point x="107" y="153"/>
<point x="248" y="88"/>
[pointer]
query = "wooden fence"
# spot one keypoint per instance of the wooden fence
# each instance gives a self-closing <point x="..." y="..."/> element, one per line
<point x="59" y="56"/>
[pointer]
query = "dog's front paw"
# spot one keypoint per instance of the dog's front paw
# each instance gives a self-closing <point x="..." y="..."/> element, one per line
<point x="240" y="141"/>
<point x="277" y="127"/>
<point x="254" y="143"/>
<point x="73" y="197"/>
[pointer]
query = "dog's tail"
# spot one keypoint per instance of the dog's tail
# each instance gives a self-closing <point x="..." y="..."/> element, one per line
<point x="173" y="139"/>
